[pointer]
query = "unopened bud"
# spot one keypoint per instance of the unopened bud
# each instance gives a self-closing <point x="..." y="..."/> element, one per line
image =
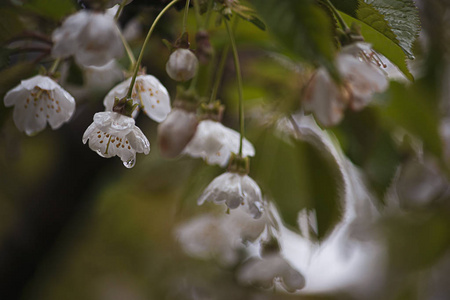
<point x="182" y="65"/>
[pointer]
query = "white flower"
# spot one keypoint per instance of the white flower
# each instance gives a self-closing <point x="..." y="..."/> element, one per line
<point x="176" y="131"/>
<point x="114" y="134"/>
<point x="39" y="100"/>
<point x="221" y="236"/>
<point x="363" y="79"/>
<point x="272" y="267"/>
<point x="182" y="65"/>
<point x="92" y="37"/>
<point x="148" y="93"/>
<point x="234" y="190"/>
<point x="362" y="76"/>
<point x="214" y="143"/>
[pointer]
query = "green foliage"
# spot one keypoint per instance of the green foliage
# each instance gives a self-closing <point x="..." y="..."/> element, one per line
<point x="297" y="175"/>
<point x="367" y="143"/>
<point x="53" y="9"/>
<point x="398" y="20"/>
<point x="417" y="239"/>
<point x="411" y="108"/>
<point x="390" y="25"/>
<point x="384" y="45"/>
<point x="301" y="27"/>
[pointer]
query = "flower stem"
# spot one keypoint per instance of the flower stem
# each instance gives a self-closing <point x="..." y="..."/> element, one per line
<point x="337" y="15"/>
<point x="119" y="10"/>
<point x="219" y="74"/>
<point x="185" y="16"/>
<point x="54" y="66"/>
<point x="239" y="79"/>
<point x="147" y="38"/>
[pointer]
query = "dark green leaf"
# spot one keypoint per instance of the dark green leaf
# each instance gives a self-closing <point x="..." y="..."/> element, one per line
<point x="297" y="175"/>
<point x="301" y="27"/>
<point x="383" y="45"/>
<point x="398" y="20"/>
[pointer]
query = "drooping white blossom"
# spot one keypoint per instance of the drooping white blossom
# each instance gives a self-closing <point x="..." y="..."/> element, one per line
<point x="264" y="272"/>
<point x="222" y="237"/>
<point x="214" y="143"/>
<point x="176" y="131"/>
<point x="114" y="134"/>
<point x="363" y="79"/>
<point x="148" y="92"/>
<point x="182" y="65"/>
<point x="324" y="98"/>
<point x="39" y="100"/>
<point x="361" y="76"/>
<point x="235" y="190"/>
<point x="91" y="37"/>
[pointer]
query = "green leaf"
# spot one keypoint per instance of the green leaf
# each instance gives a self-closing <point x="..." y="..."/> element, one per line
<point x="301" y="27"/>
<point x="403" y="19"/>
<point x="409" y="107"/>
<point x="383" y="45"/>
<point x="398" y="20"/>
<point x="366" y="143"/>
<point x="54" y="9"/>
<point x="296" y="175"/>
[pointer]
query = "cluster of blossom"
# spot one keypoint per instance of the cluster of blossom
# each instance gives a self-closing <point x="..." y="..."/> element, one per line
<point x="361" y="74"/>
<point x="94" y="39"/>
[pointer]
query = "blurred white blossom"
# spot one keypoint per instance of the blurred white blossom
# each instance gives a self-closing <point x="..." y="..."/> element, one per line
<point x="222" y="237"/>
<point x="39" y="100"/>
<point x="266" y="271"/>
<point x="176" y="131"/>
<point x="91" y="37"/>
<point x="214" y="143"/>
<point x="114" y="134"/>
<point x="148" y="92"/>
<point x="361" y="75"/>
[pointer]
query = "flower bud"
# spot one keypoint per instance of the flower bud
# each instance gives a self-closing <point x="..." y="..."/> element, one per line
<point x="182" y="65"/>
<point x="176" y="132"/>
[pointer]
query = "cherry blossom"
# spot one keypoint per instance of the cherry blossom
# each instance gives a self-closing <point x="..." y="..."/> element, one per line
<point x="39" y="100"/>
<point x="148" y="92"/>
<point x="91" y="37"/>
<point x="182" y="65"/>
<point x="214" y="143"/>
<point x="234" y="190"/>
<point x="361" y="77"/>
<point x="114" y="134"/>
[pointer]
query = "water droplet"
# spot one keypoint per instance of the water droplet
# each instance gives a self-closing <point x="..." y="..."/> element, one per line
<point x="130" y="163"/>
